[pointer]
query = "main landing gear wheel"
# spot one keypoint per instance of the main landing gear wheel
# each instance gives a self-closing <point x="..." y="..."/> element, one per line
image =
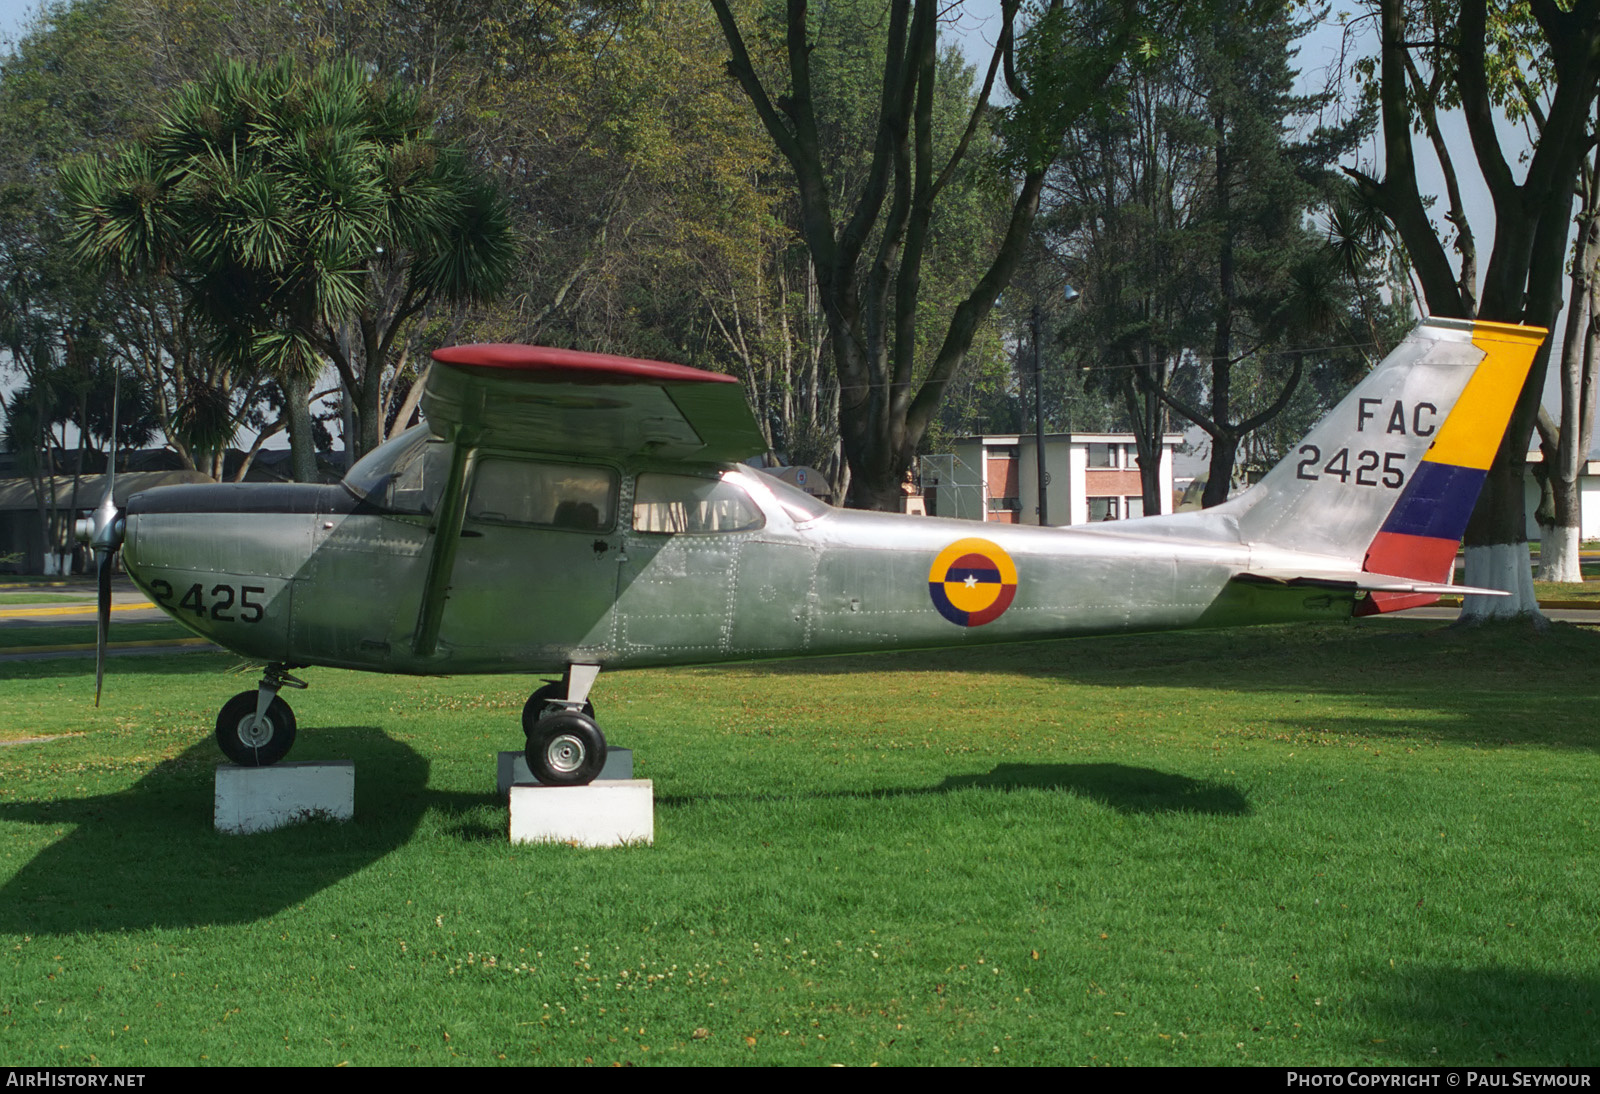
<point x="252" y="742"/>
<point x="537" y="703"/>
<point x="566" y="749"/>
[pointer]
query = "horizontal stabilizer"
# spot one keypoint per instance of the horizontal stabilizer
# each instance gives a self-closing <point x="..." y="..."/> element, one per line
<point x="1365" y="582"/>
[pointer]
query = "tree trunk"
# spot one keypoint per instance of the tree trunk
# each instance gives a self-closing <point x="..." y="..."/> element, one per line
<point x="1497" y="555"/>
<point x="1500" y="566"/>
<point x="1141" y="396"/>
<point x="1565" y="459"/>
<point x="1219" y="474"/>
<point x="302" y="442"/>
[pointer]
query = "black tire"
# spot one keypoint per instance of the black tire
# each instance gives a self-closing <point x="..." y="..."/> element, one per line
<point x="566" y="749"/>
<point x="535" y="708"/>
<point x="248" y="745"/>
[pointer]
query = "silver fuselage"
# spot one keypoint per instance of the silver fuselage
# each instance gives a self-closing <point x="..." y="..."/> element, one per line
<point x="313" y="575"/>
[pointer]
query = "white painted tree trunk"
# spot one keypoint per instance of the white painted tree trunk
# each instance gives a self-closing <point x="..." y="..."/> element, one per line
<point x="1500" y="566"/>
<point x="1558" y="553"/>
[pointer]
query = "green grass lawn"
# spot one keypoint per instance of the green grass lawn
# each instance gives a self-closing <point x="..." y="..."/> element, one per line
<point x="1551" y="590"/>
<point x="29" y="596"/>
<point x="1368" y="844"/>
<point x="79" y="633"/>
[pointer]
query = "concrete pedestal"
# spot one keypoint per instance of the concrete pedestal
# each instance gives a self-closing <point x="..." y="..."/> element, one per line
<point x="259" y="799"/>
<point x="513" y="769"/>
<point x="602" y="814"/>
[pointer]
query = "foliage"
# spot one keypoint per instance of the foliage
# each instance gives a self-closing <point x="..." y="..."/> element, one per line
<point x="1186" y="211"/>
<point x="83" y="77"/>
<point x="304" y="214"/>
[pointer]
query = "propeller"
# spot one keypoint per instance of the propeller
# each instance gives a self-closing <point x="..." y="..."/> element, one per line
<point x="103" y="531"/>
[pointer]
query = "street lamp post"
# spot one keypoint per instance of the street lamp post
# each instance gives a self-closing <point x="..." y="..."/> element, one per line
<point x="1038" y="422"/>
<point x="1069" y="295"/>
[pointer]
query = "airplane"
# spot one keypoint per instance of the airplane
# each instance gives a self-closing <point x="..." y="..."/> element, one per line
<point x="568" y="512"/>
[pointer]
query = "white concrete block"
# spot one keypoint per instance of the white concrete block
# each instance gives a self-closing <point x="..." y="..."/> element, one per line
<point x="602" y="814"/>
<point x="513" y="769"/>
<point x="259" y="799"/>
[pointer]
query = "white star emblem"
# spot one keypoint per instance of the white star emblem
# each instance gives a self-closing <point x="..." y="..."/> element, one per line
<point x="972" y="582"/>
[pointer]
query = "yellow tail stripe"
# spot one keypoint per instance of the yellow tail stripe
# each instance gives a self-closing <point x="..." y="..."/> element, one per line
<point x="1471" y="434"/>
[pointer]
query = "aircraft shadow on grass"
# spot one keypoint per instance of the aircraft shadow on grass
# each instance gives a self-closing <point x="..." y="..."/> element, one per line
<point x="1547" y="676"/>
<point x="149" y="856"/>
<point x="1117" y="786"/>
<point x="1490" y="1015"/>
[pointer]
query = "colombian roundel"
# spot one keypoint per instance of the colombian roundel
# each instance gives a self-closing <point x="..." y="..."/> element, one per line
<point x="972" y="582"/>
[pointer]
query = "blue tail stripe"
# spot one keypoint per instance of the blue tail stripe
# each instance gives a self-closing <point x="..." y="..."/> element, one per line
<point x="1437" y="501"/>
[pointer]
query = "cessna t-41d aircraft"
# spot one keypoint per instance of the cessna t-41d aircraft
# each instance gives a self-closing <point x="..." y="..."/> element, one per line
<point x="565" y="512"/>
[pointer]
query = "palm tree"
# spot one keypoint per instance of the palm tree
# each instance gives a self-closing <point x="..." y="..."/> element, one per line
<point x="309" y="218"/>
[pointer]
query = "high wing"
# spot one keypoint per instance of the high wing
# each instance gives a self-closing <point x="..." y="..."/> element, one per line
<point x="538" y="399"/>
<point x="566" y="402"/>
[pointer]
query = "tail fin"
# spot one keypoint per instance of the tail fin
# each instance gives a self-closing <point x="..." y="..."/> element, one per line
<point x="1391" y="475"/>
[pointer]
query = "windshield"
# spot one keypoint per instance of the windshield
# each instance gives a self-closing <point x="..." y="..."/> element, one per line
<point x="405" y="475"/>
<point x="800" y="505"/>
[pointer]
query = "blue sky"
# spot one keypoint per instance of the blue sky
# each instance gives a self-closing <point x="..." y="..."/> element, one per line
<point x="13" y="13"/>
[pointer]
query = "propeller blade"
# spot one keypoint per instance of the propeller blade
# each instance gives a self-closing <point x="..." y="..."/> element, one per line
<point x="107" y="538"/>
<point x="102" y="623"/>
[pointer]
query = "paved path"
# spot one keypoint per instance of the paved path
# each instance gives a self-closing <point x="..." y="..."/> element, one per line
<point x="21" y="611"/>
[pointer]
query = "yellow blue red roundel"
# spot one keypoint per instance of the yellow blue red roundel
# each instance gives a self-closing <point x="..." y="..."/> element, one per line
<point x="972" y="582"/>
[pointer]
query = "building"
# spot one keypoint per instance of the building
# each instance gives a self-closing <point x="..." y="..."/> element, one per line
<point x="1088" y="476"/>
<point x="1588" y="497"/>
<point x="25" y="516"/>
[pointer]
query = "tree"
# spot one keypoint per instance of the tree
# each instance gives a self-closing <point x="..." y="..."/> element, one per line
<point x="83" y="76"/>
<point x="1564" y="444"/>
<point x="640" y="187"/>
<point x="1538" y="62"/>
<point x="774" y="324"/>
<point x="1186" y="210"/>
<point x="305" y="215"/>
<point x="867" y="237"/>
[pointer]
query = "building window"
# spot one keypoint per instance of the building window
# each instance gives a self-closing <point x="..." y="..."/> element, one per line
<point x="1102" y="455"/>
<point x="1133" y="507"/>
<point x="1103" y="508"/>
<point x="999" y="505"/>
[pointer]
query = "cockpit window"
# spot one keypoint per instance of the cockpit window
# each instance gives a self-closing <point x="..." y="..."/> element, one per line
<point x="677" y="504"/>
<point x="405" y="475"/>
<point x="550" y="495"/>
